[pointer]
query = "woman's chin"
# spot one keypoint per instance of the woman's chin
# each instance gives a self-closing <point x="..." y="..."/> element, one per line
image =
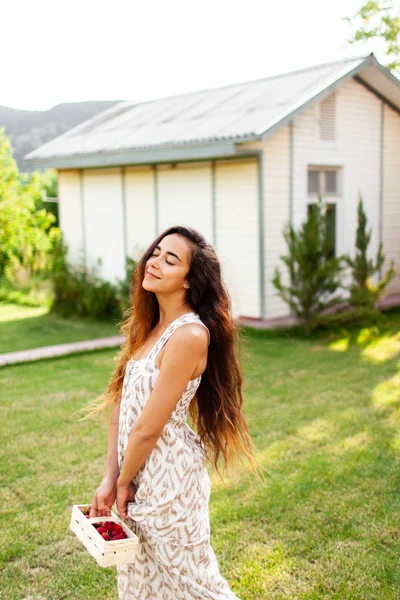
<point x="147" y="284"/>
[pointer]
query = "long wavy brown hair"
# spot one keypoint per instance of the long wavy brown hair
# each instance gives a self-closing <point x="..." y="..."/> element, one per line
<point x="216" y="409"/>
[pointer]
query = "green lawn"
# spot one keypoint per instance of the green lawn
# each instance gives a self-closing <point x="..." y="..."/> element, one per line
<point x="324" y="414"/>
<point x="24" y="327"/>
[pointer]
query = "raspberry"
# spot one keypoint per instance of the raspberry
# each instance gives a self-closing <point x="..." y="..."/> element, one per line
<point x="103" y="529"/>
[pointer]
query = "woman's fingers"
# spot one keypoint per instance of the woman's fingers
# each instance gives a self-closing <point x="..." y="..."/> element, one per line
<point x="94" y="508"/>
<point x="99" y="508"/>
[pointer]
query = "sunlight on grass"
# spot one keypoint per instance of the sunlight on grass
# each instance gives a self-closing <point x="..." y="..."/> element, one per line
<point x="367" y="334"/>
<point x="13" y="312"/>
<point x="319" y="430"/>
<point x="357" y="441"/>
<point x="340" y="345"/>
<point x="266" y="565"/>
<point x="387" y="392"/>
<point x="383" y="349"/>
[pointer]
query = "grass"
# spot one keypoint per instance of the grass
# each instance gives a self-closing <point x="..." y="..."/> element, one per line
<point x="324" y="414"/>
<point x="25" y="327"/>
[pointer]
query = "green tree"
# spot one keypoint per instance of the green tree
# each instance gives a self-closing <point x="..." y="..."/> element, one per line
<point x="379" y="20"/>
<point x="48" y="183"/>
<point x="26" y="234"/>
<point x="314" y="274"/>
<point x="363" y="293"/>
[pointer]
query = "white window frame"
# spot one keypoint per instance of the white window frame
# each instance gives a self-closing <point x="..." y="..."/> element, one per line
<point x="321" y="181"/>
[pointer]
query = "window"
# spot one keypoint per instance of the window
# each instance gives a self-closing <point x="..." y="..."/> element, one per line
<point x="323" y="180"/>
<point x="330" y="227"/>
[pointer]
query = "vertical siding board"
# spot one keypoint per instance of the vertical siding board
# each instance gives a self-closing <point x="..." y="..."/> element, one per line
<point x="140" y="190"/>
<point x="104" y="222"/>
<point x="156" y="205"/>
<point x="236" y="196"/>
<point x="391" y="194"/>
<point x="124" y="222"/>
<point x="84" y="240"/>
<point x="214" y="223"/>
<point x="276" y="212"/>
<point x="185" y="197"/>
<point x="70" y="213"/>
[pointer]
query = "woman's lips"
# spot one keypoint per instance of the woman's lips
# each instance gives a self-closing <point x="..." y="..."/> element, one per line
<point x="150" y="275"/>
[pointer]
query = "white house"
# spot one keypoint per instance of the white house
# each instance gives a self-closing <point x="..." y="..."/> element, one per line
<point x="238" y="163"/>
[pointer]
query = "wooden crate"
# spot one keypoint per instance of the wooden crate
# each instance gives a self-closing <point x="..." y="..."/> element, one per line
<point x="107" y="554"/>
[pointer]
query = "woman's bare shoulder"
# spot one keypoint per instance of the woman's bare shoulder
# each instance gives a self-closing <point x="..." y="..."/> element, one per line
<point x="191" y="333"/>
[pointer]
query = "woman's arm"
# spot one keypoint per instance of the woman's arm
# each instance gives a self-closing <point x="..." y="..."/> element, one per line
<point x="106" y="493"/>
<point x="111" y="468"/>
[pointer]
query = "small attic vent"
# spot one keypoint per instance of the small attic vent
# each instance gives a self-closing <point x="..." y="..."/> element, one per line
<point x="327" y="118"/>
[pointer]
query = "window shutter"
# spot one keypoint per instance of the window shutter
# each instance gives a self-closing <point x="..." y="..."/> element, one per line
<point x="327" y="122"/>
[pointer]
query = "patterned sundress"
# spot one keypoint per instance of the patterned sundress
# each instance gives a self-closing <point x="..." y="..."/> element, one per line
<point x="174" y="560"/>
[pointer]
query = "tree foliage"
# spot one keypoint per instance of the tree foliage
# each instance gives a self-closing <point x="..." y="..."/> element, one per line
<point x="26" y="233"/>
<point x="363" y="293"/>
<point x="379" y="20"/>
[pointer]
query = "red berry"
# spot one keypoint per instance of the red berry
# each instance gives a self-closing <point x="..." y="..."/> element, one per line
<point x="102" y="529"/>
<point x="104" y="535"/>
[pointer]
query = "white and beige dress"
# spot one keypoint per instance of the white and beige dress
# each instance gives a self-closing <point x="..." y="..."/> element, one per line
<point x="175" y="560"/>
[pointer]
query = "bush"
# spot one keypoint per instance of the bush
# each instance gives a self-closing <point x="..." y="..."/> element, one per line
<point x="80" y="291"/>
<point x="363" y="294"/>
<point x="313" y="272"/>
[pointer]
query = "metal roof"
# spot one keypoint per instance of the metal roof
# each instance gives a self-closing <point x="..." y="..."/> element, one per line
<point x="208" y="122"/>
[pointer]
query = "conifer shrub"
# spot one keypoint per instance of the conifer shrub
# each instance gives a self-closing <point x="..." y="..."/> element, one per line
<point x="363" y="292"/>
<point x="314" y="273"/>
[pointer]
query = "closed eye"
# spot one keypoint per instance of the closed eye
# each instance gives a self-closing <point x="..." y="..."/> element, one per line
<point x="168" y="263"/>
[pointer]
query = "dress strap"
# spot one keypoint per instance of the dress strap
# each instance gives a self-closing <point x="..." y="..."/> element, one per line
<point x="182" y="320"/>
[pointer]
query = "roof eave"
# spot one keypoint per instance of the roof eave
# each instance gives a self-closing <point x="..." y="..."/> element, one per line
<point x="211" y="150"/>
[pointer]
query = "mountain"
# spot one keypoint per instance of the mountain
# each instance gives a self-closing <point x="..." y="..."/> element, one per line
<point x="29" y="129"/>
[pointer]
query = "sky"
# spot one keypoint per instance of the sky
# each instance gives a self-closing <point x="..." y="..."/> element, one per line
<point x="58" y="51"/>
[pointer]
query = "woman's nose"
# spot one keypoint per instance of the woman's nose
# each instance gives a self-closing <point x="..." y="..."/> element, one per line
<point x="154" y="262"/>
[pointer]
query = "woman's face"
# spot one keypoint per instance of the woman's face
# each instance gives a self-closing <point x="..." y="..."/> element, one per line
<point x="169" y="264"/>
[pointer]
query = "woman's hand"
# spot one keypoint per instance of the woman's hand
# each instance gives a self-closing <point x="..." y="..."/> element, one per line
<point x="104" y="498"/>
<point x="125" y="494"/>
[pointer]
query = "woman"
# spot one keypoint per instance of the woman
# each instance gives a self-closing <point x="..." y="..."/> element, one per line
<point x="179" y="357"/>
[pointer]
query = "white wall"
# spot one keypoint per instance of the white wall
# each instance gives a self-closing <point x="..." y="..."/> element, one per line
<point x="356" y="150"/>
<point x="140" y="222"/>
<point x="237" y="239"/>
<point x="391" y="194"/>
<point x="70" y="213"/>
<point x="185" y="197"/>
<point x="103" y="220"/>
<point x="276" y="184"/>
